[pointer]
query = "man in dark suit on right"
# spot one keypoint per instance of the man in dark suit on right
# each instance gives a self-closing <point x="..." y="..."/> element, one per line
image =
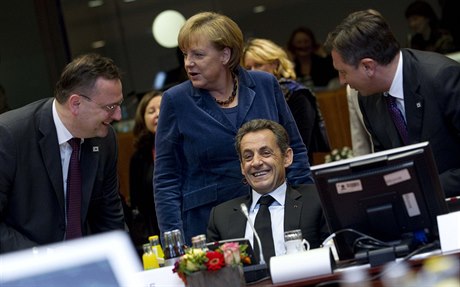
<point x="422" y="88"/>
<point x="264" y="152"/>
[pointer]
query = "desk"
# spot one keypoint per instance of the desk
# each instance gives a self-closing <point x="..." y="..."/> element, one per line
<point x="415" y="265"/>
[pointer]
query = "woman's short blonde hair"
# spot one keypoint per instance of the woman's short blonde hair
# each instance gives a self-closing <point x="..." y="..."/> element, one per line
<point x="265" y="51"/>
<point x="221" y="31"/>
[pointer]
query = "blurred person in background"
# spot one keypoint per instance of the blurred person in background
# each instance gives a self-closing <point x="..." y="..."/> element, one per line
<point x="361" y="139"/>
<point x="144" y="218"/>
<point x="450" y="19"/>
<point x="265" y="55"/>
<point x="425" y="26"/>
<point x="313" y="65"/>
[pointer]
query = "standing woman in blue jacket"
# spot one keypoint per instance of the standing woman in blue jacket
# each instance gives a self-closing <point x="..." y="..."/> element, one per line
<point x="196" y="164"/>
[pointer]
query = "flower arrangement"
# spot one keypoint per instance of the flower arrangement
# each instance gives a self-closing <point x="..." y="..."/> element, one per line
<point x="195" y="260"/>
<point x="336" y="154"/>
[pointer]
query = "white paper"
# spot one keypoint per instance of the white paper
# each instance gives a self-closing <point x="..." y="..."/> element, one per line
<point x="301" y="265"/>
<point x="449" y="231"/>
<point x="163" y="277"/>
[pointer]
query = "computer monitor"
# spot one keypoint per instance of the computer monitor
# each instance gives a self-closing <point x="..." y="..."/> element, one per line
<point x="393" y="195"/>
<point x="105" y="259"/>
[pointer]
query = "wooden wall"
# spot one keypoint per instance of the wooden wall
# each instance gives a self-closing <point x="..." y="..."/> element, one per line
<point x="125" y="150"/>
<point x="334" y="107"/>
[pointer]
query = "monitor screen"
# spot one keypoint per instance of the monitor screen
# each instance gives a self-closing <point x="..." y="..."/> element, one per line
<point x="105" y="259"/>
<point x="393" y="196"/>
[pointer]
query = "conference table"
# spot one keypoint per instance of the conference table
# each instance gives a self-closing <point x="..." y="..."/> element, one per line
<point x="373" y="273"/>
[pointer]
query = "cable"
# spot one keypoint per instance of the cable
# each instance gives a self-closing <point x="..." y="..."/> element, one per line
<point x="353" y="231"/>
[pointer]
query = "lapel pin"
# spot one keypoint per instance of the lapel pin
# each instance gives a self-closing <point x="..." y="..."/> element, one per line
<point x="95" y="149"/>
<point x="418" y="105"/>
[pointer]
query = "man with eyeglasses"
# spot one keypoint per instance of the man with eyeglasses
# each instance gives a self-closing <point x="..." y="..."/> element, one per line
<point x="58" y="160"/>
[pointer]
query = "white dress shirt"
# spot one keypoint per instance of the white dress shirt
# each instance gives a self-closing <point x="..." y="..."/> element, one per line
<point x="276" y="214"/>
<point x="396" y="89"/>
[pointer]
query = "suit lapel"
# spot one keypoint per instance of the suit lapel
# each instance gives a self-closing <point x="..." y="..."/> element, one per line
<point x="413" y="100"/>
<point x="292" y="209"/>
<point x="89" y="160"/>
<point x="237" y="220"/>
<point x="245" y="100"/>
<point x="50" y="151"/>
<point x="246" y="95"/>
<point x="205" y="101"/>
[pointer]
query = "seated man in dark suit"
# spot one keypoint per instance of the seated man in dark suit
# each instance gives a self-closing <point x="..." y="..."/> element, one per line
<point x="264" y="152"/>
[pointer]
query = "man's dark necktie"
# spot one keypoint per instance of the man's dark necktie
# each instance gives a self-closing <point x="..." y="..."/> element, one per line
<point x="263" y="225"/>
<point x="398" y="118"/>
<point x="73" y="229"/>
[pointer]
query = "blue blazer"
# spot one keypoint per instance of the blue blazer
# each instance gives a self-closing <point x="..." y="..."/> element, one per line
<point x="32" y="205"/>
<point x="196" y="165"/>
<point x="431" y="84"/>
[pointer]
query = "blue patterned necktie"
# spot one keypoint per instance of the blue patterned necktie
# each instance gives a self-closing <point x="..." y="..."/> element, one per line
<point x="73" y="229"/>
<point x="398" y="118"/>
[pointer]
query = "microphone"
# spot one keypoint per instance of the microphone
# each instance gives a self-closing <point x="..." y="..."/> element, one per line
<point x="244" y="209"/>
<point x="259" y="271"/>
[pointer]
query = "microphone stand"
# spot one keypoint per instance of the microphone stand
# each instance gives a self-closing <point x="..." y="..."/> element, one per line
<point x="259" y="271"/>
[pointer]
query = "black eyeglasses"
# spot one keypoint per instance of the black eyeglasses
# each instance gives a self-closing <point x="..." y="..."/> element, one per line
<point x="108" y="108"/>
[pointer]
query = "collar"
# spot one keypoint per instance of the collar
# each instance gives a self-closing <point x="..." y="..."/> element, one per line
<point x="396" y="89"/>
<point x="63" y="133"/>
<point x="279" y="194"/>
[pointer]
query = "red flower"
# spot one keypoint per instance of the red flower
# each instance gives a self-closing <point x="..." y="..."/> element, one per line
<point x="215" y="260"/>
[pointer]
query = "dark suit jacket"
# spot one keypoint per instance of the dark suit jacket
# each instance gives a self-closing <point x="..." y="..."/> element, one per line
<point x="31" y="182"/>
<point x="431" y="85"/>
<point x="141" y="194"/>
<point x="302" y="210"/>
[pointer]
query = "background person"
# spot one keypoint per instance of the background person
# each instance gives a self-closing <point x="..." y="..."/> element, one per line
<point x="361" y="139"/>
<point x="313" y="66"/>
<point x="141" y="169"/>
<point x="35" y="157"/>
<point x="265" y="55"/>
<point x="427" y="32"/>
<point x="263" y="148"/>
<point x="196" y="165"/>
<point x="425" y="87"/>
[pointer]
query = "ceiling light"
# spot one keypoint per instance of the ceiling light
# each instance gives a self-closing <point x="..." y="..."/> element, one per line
<point x="98" y="44"/>
<point x="259" y="9"/>
<point x="166" y="26"/>
<point x="95" y="3"/>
